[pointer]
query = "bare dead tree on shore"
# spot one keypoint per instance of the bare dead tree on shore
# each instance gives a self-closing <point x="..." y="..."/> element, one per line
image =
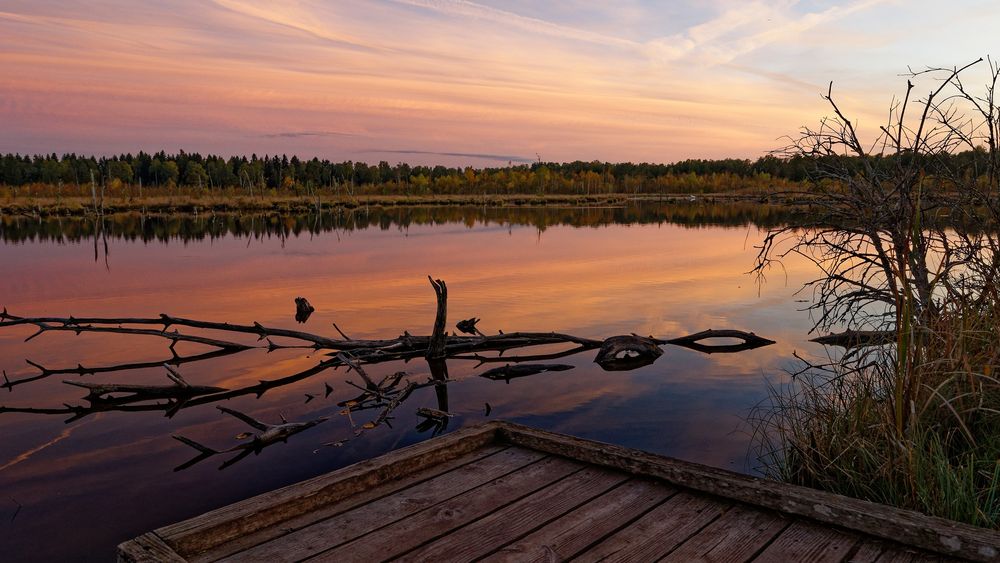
<point x="903" y="219"/>
<point x="905" y="233"/>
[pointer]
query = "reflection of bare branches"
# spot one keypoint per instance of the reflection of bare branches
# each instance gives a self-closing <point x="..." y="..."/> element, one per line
<point x="270" y="434"/>
<point x="384" y="416"/>
<point x="508" y="372"/>
<point x="517" y="359"/>
<point x="180" y="389"/>
<point x="81" y="370"/>
<point x="434" y="420"/>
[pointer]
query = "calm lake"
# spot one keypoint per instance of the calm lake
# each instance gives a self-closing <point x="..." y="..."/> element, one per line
<point x="74" y="490"/>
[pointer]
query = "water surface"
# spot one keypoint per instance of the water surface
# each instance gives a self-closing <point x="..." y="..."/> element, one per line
<point x="652" y="269"/>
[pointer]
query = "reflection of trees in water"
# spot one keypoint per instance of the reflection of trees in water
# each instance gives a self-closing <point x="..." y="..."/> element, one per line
<point x="186" y="227"/>
<point x="383" y="396"/>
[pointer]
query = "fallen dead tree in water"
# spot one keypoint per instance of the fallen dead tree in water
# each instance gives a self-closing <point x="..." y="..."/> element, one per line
<point x="384" y="396"/>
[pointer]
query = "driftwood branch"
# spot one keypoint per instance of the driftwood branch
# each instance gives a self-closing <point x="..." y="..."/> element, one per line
<point x="857" y="338"/>
<point x="269" y="434"/>
<point x="508" y="372"/>
<point x="750" y="341"/>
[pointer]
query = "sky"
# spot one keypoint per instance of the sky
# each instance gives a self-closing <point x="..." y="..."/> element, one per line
<point x="459" y="82"/>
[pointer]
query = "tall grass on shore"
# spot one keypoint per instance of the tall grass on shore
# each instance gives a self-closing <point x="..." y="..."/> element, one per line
<point x="907" y="243"/>
<point x="915" y="425"/>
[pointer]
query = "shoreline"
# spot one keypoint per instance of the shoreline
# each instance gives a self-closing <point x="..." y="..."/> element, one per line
<point x="77" y="206"/>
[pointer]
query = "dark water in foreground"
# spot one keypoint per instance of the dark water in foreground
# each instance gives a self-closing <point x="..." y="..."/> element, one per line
<point x="73" y="491"/>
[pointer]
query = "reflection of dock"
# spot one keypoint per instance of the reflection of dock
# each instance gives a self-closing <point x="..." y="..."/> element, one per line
<point x="507" y="492"/>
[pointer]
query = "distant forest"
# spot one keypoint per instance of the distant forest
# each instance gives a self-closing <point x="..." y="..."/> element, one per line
<point x="290" y="174"/>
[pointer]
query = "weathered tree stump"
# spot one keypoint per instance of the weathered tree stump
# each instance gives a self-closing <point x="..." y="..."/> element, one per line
<point x="626" y="352"/>
<point x="436" y="348"/>
<point x="303" y="309"/>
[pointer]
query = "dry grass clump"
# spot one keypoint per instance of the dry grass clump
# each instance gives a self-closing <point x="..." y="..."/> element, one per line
<point x="915" y="426"/>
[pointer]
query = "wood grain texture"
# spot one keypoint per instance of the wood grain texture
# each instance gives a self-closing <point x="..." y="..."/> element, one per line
<point x="735" y="536"/>
<point x="519" y="518"/>
<point x="211" y="529"/>
<point x="808" y="542"/>
<point x="515" y="493"/>
<point x="147" y="548"/>
<point x="659" y="531"/>
<point x="248" y="541"/>
<point x="868" y="551"/>
<point x="937" y="535"/>
<point x="576" y="530"/>
<point x="371" y="516"/>
<point x="422" y="527"/>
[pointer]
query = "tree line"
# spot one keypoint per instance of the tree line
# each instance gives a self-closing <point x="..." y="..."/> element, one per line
<point x="284" y="173"/>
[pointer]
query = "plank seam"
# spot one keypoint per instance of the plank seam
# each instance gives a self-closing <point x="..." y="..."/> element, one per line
<point x="768" y="543"/>
<point x="288" y="531"/>
<point x="674" y="491"/>
<point x="727" y="506"/>
<point x="554" y="518"/>
<point x="416" y="514"/>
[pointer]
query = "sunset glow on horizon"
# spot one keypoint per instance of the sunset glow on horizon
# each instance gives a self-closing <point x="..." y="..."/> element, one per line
<point x="457" y="82"/>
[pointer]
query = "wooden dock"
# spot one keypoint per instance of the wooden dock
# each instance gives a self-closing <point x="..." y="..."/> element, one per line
<point x="504" y="492"/>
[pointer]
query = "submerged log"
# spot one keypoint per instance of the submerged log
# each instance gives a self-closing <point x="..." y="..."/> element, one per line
<point x="627" y="352"/>
<point x="750" y="341"/>
<point x="857" y="338"/>
<point x="508" y="372"/>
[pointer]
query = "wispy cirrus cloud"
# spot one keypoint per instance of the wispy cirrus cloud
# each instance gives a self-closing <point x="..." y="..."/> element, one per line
<point x="473" y="155"/>
<point x="300" y="134"/>
<point x="737" y="29"/>
<point x="570" y="79"/>
<point x="464" y="8"/>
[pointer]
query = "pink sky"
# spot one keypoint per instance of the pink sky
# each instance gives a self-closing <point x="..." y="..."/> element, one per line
<point x="459" y="82"/>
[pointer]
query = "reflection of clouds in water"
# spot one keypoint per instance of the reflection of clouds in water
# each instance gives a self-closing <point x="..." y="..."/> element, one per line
<point x="24" y="456"/>
<point x="666" y="280"/>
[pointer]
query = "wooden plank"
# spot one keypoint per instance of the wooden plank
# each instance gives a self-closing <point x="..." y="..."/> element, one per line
<point x="868" y="551"/>
<point x="408" y="533"/>
<point x="224" y="524"/>
<point x="243" y="543"/>
<point x="659" y="531"/>
<point x="803" y="541"/>
<point x="575" y="531"/>
<point x="899" y="556"/>
<point x="734" y="537"/>
<point x="911" y="528"/>
<point x="517" y="519"/>
<point x="875" y="550"/>
<point x="147" y="548"/>
<point x="903" y="555"/>
<point x="357" y="522"/>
